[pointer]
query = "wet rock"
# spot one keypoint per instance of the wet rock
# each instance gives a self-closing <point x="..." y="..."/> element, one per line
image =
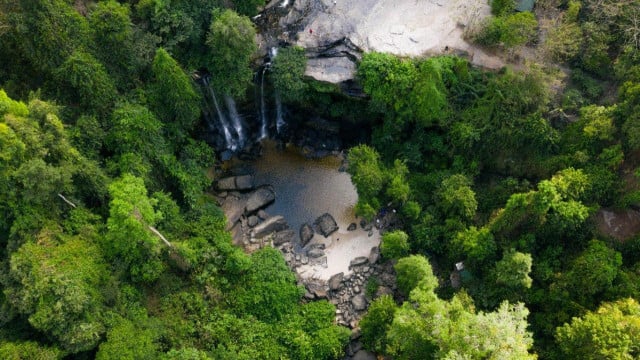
<point x="359" y="302"/>
<point x="360" y="260"/>
<point x="335" y="281"/>
<point x="259" y="199"/>
<point x="363" y="223"/>
<point x="253" y="221"/>
<point x="326" y="224"/>
<point x="306" y="234"/>
<point x="263" y="215"/>
<point x="272" y="224"/>
<point x="374" y="255"/>
<point x="242" y="182"/>
<point x="315" y="253"/>
<point x="283" y="236"/>
<point x="352" y="227"/>
<point x="356" y="289"/>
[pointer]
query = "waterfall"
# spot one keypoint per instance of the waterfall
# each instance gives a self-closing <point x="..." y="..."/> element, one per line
<point x="279" y="119"/>
<point x="263" y="108"/>
<point x="229" y="142"/>
<point x="235" y="119"/>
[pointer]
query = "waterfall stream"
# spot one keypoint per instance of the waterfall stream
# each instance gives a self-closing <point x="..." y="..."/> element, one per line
<point x="228" y="138"/>
<point x="235" y="119"/>
<point x="263" y="108"/>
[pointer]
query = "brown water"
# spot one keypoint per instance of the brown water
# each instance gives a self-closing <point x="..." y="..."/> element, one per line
<point x="305" y="188"/>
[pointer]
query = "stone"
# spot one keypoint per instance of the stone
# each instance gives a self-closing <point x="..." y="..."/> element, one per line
<point x="383" y="290"/>
<point x="242" y="182"/>
<point x="352" y="227"/>
<point x="359" y="302"/>
<point x="283" y="236"/>
<point x="356" y="333"/>
<point x="306" y="234"/>
<point x="326" y="224"/>
<point x="263" y="215"/>
<point x="309" y="295"/>
<point x="364" y="355"/>
<point x="360" y="260"/>
<point x="370" y="233"/>
<point x="253" y="221"/>
<point x="374" y="255"/>
<point x="315" y="253"/>
<point x="259" y="199"/>
<point x="335" y="281"/>
<point x="270" y="225"/>
<point x="363" y="223"/>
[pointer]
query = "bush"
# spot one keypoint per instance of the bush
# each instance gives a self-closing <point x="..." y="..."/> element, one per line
<point x="394" y="244"/>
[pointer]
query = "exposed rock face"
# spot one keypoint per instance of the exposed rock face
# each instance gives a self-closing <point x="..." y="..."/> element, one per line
<point x="259" y="199"/>
<point x="360" y="260"/>
<point x="272" y="224"/>
<point x="335" y="34"/>
<point x="374" y="255"/>
<point x="242" y="182"/>
<point x="306" y="234"/>
<point x="326" y="225"/>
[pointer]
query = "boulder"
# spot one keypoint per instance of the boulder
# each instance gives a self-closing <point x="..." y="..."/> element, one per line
<point x="374" y="255"/>
<point x="326" y="224"/>
<point x="263" y="215"/>
<point x="315" y="253"/>
<point x="242" y="182"/>
<point x="253" y="221"/>
<point x="306" y="234"/>
<point x="259" y="199"/>
<point x="272" y="224"/>
<point x="283" y="236"/>
<point x="360" y="260"/>
<point x="364" y="355"/>
<point x="335" y="281"/>
<point x="359" y="302"/>
<point x="352" y="227"/>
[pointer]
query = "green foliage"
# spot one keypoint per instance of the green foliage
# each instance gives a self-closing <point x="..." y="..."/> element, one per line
<point x="28" y="350"/>
<point x="509" y="30"/>
<point x="56" y="283"/>
<point x="129" y="236"/>
<point x="394" y="244"/>
<point x="248" y="7"/>
<point x="287" y="70"/>
<point x="231" y="40"/>
<point x="368" y="177"/>
<point x="477" y="245"/>
<point x="414" y="270"/>
<point x="456" y="198"/>
<point x="81" y="78"/>
<point x="513" y="270"/>
<point x="612" y="332"/>
<point x="376" y="322"/>
<point x="502" y="7"/>
<point x="128" y="341"/>
<point x="173" y="97"/>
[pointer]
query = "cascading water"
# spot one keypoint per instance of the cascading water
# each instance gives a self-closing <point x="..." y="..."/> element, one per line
<point x="235" y="119"/>
<point x="279" y="119"/>
<point x="263" y="107"/>
<point x="228" y="138"/>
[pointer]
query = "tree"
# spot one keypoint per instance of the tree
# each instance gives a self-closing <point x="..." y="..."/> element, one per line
<point x="368" y="176"/>
<point x="84" y="79"/>
<point x="130" y="236"/>
<point x="394" y="244"/>
<point x="28" y="350"/>
<point x="376" y="322"/>
<point x="287" y="70"/>
<point x="231" y="39"/>
<point x="456" y="198"/>
<point x="248" y="7"/>
<point x="126" y="340"/>
<point x="414" y="270"/>
<point x="173" y="97"/>
<point x="56" y="282"/>
<point x="477" y="245"/>
<point x="611" y="332"/>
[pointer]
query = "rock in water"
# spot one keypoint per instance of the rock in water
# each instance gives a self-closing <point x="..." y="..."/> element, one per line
<point x="315" y="253"/>
<point x="272" y="224"/>
<point x="352" y="227"/>
<point x="283" y="236"/>
<point x="242" y="182"/>
<point x="335" y="280"/>
<point x="259" y="199"/>
<point x="326" y="224"/>
<point x="306" y="234"/>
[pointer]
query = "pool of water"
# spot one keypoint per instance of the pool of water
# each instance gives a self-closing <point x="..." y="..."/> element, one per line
<point x="305" y="188"/>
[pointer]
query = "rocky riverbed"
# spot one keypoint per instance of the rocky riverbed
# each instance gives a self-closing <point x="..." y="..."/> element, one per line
<point x="335" y="257"/>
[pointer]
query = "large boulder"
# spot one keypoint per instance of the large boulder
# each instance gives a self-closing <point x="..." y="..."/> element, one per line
<point x="315" y="253"/>
<point x="326" y="224"/>
<point x="242" y="182"/>
<point x="306" y="234"/>
<point x="259" y="199"/>
<point x="283" y="236"/>
<point x="272" y="224"/>
<point x="359" y="302"/>
<point x="335" y="281"/>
